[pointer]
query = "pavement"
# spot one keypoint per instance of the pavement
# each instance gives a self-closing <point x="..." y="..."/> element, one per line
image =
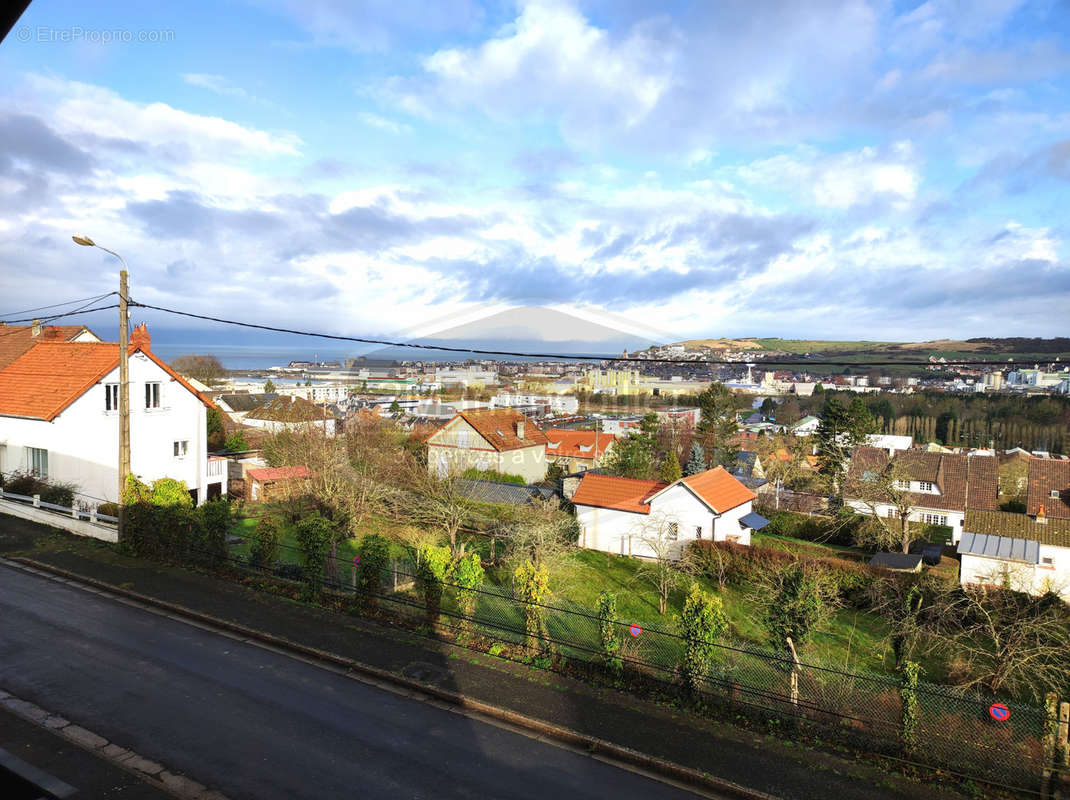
<point x="769" y="764"/>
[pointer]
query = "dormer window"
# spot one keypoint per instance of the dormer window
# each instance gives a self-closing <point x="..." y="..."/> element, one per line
<point x="553" y="445"/>
<point x="902" y="484"/>
<point x="926" y="486"/>
<point x="1054" y="494"/>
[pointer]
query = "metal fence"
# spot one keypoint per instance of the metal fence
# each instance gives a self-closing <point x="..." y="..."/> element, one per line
<point x="956" y="731"/>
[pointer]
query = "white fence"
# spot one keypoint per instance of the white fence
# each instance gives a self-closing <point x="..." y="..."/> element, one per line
<point x="83" y="523"/>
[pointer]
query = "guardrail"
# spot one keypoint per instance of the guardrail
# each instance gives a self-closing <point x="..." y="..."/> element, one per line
<point x="75" y="520"/>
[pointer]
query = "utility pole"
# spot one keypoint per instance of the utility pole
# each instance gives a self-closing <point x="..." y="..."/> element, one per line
<point x="124" y="376"/>
<point x="124" y="394"/>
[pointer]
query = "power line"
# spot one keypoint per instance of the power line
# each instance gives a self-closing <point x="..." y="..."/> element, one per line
<point x="57" y="305"/>
<point x="47" y="320"/>
<point x="572" y="356"/>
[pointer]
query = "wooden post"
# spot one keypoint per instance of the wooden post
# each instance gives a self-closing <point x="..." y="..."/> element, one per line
<point x="124" y="395"/>
<point x="794" y="672"/>
<point x="1062" y="748"/>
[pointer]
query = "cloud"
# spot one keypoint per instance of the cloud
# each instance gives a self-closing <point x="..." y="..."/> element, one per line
<point x="383" y="124"/>
<point x="214" y="83"/>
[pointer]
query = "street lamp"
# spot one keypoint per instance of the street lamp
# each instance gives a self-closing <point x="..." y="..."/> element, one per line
<point x="124" y="375"/>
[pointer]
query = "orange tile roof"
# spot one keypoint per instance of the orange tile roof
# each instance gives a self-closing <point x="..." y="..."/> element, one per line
<point x="569" y="443"/>
<point x="622" y="494"/>
<point x="50" y="376"/>
<point x="718" y="489"/>
<point x="498" y="426"/>
<point x="1045" y="476"/>
<point x="15" y="340"/>
<point x="263" y="474"/>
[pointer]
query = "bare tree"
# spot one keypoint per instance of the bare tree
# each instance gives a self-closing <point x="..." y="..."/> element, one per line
<point x="441" y="504"/>
<point x="1003" y="640"/>
<point x="204" y="368"/>
<point x="541" y="533"/>
<point x="664" y="569"/>
<point x="887" y="496"/>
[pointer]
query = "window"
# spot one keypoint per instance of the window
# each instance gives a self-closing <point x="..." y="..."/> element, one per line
<point x="934" y="519"/>
<point x="926" y="486"/>
<point x="674" y="531"/>
<point x="111" y="397"/>
<point x="1047" y="561"/>
<point x="152" y="395"/>
<point x="1054" y="494"/>
<point x="902" y="484"/>
<point x="891" y="513"/>
<point x="37" y="461"/>
<point x="181" y="448"/>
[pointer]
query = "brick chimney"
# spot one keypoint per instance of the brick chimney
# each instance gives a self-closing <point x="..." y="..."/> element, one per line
<point x="1041" y="517"/>
<point x="520" y="429"/>
<point x="139" y="337"/>
<point x="35" y="331"/>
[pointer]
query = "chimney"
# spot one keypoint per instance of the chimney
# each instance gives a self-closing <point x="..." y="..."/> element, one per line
<point x="520" y="429"/>
<point x="35" y="331"/>
<point x="1041" y="518"/>
<point x="139" y="337"/>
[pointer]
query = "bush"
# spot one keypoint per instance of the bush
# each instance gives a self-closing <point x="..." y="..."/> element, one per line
<point x="374" y="552"/>
<point x="162" y="533"/>
<point x="313" y="534"/>
<point x="838" y="529"/>
<point x="59" y="494"/>
<point x="467" y="576"/>
<point x="492" y="475"/>
<point x="22" y="483"/>
<point x="264" y="551"/>
<point x="430" y="572"/>
<point x="210" y="548"/>
<point x="108" y="509"/>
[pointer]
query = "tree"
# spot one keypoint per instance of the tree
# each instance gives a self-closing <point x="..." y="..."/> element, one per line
<point x="696" y="463"/>
<point x="943" y="426"/>
<point x="796" y="601"/>
<point x="216" y="434"/>
<point x="703" y="622"/>
<point x="264" y="551"/>
<point x="269" y="387"/>
<point x="395" y="407"/>
<point x="718" y="424"/>
<point x="374" y="553"/>
<point x="633" y="456"/>
<point x="441" y="504"/>
<point x="236" y="443"/>
<point x="670" y="468"/>
<point x="531" y="585"/>
<point x="840" y="430"/>
<point x="432" y="563"/>
<point x="1002" y="640"/>
<point x="886" y="495"/>
<point x="204" y="368"/>
<point x="541" y="533"/>
<point x="768" y="408"/>
<point x="659" y="533"/>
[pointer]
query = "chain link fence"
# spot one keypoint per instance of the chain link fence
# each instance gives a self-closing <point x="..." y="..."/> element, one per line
<point x="949" y="729"/>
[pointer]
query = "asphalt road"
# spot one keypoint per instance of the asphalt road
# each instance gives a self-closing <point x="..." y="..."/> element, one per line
<point x="253" y="723"/>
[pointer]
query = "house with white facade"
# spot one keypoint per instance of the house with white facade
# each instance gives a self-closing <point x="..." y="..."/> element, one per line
<point x="499" y="439"/>
<point x="631" y="517"/>
<point x="1016" y="551"/>
<point x="59" y="419"/>
<point x="807" y="426"/>
<point x="940" y="486"/>
<point x="557" y="403"/>
<point x="577" y="451"/>
<point x="284" y="413"/>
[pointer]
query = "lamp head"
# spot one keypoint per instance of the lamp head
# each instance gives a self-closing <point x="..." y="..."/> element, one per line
<point x="84" y="241"/>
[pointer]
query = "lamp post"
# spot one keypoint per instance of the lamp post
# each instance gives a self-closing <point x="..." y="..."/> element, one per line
<point x="124" y="376"/>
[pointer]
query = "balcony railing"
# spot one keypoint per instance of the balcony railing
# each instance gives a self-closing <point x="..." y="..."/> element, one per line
<point x="217" y="467"/>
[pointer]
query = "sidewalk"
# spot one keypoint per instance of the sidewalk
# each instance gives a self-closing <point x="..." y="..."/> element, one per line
<point x="776" y="766"/>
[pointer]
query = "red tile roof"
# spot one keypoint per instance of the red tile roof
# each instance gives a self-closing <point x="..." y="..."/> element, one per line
<point x="15" y="340"/>
<point x="622" y="494"/>
<point x="498" y="427"/>
<point x="50" y="376"/>
<point x="1046" y="475"/>
<point x="264" y="474"/>
<point x="963" y="481"/>
<point x="718" y="489"/>
<point x="577" y="444"/>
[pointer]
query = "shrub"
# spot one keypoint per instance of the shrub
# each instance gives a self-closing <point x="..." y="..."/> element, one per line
<point x="431" y="570"/>
<point x="264" y="551"/>
<point x="59" y="494"/>
<point x="171" y="492"/>
<point x="374" y="552"/>
<point x="703" y="621"/>
<point x="211" y="548"/>
<point x="467" y="575"/>
<point x="531" y="585"/>
<point x="108" y="509"/>
<point x="492" y="475"/>
<point x="609" y="633"/>
<point x="162" y="533"/>
<point x="22" y="483"/>
<point x="313" y="534"/>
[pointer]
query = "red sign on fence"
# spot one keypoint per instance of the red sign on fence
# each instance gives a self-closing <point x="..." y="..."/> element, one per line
<point x="999" y="712"/>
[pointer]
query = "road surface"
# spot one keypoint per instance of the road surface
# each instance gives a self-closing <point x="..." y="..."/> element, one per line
<point x="258" y="724"/>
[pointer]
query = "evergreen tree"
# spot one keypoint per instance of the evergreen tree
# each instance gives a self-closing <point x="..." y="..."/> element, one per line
<point x="670" y="468"/>
<point x="696" y="463"/>
<point x="718" y="424"/>
<point x="269" y="387"/>
<point x="841" y="429"/>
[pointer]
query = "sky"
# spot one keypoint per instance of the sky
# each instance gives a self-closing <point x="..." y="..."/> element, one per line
<point x="846" y="169"/>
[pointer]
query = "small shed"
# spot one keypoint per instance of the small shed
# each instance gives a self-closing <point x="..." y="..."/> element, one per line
<point x="897" y="562"/>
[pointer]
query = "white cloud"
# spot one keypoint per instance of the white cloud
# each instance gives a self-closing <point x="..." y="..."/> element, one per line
<point x="383" y="124"/>
<point x="214" y="83"/>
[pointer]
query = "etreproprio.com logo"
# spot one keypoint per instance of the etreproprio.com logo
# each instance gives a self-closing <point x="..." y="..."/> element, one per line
<point x="76" y="33"/>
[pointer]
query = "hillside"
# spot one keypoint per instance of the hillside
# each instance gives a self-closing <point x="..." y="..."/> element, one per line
<point x="1018" y="347"/>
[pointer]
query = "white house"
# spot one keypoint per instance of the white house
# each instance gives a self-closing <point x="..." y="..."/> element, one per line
<point x="627" y="516"/>
<point x="283" y="413"/>
<point x="941" y="486"/>
<point x="558" y="404"/>
<point x="1016" y="551"/>
<point x="806" y="426"/>
<point x="59" y="419"/>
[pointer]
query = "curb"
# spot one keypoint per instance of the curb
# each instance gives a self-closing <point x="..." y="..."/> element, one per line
<point x="579" y="742"/>
<point x="151" y="772"/>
